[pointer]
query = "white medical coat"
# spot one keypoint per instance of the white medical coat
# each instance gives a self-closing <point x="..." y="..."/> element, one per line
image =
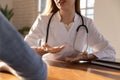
<point x="59" y="35"/>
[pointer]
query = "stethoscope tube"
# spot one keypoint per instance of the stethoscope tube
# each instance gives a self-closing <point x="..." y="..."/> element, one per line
<point x="82" y="25"/>
<point x="48" y="27"/>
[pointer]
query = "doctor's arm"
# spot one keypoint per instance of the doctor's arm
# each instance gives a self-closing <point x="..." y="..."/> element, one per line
<point x="99" y="45"/>
<point x="34" y="35"/>
<point x="101" y="49"/>
<point x="32" y="39"/>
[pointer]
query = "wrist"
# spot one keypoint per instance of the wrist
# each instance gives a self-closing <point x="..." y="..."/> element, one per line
<point x="43" y="51"/>
<point x="40" y="51"/>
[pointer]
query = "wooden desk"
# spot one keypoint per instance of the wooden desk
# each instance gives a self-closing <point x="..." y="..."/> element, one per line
<point x="82" y="71"/>
<point x="59" y="70"/>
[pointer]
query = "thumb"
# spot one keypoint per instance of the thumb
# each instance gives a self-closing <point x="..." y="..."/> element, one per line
<point x="46" y="45"/>
<point x="62" y="46"/>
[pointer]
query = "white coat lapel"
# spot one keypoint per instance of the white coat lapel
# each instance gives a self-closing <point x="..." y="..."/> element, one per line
<point x="59" y="31"/>
<point x="72" y="30"/>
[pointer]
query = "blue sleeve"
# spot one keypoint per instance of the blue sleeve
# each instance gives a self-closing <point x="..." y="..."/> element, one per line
<point x="18" y="55"/>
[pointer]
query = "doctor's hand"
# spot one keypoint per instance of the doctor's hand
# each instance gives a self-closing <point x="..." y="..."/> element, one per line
<point x="50" y="49"/>
<point x="45" y="48"/>
<point x="81" y="56"/>
<point x="40" y="51"/>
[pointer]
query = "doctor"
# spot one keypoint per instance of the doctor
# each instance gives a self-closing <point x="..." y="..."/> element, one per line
<point x="62" y="33"/>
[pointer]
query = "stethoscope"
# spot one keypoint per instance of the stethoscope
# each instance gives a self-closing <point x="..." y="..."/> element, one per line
<point x="80" y="26"/>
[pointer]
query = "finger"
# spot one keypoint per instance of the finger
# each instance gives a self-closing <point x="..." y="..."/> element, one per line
<point x="57" y="49"/>
<point x="44" y="45"/>
<point x="85" y="52"/>
<point x="75" y="59"/>
<point x="68" y="59"/>
<point x="62" y="46"/>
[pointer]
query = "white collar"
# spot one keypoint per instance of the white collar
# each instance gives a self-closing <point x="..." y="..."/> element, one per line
<point x="59" y="17"/>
